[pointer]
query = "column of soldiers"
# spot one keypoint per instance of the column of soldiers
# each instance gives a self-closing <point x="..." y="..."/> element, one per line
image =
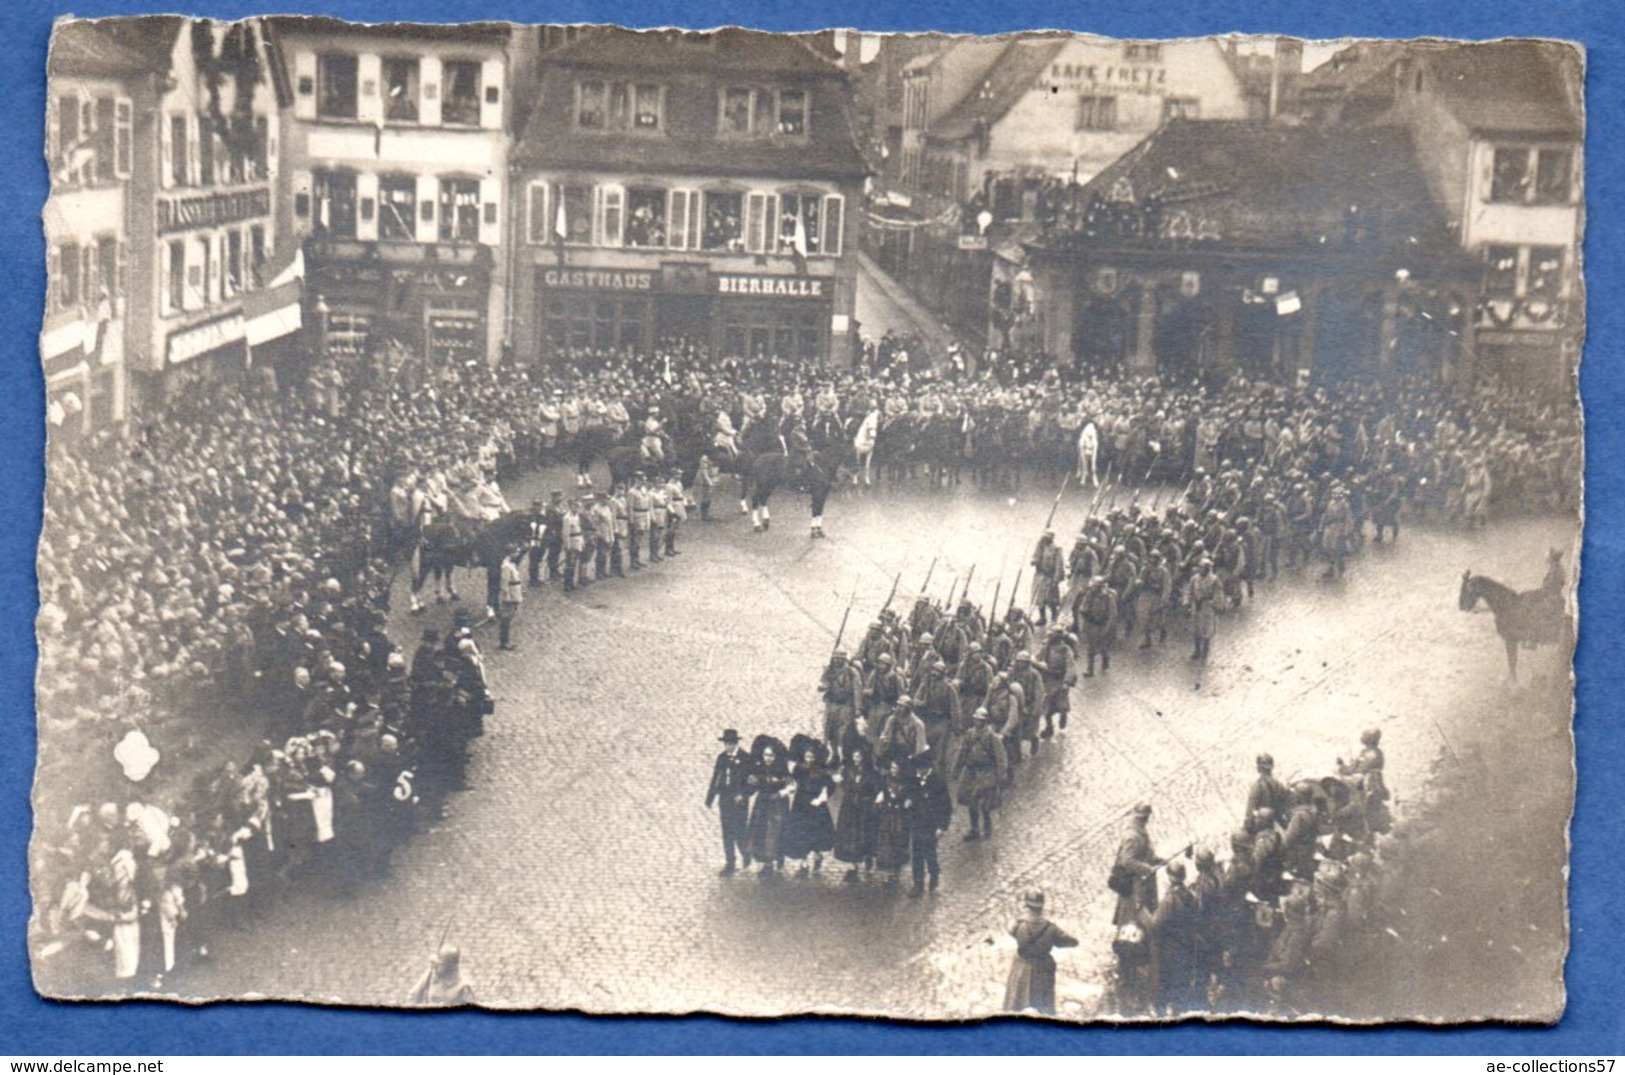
<point x="591" y="536"/>
<point x="1246" y="934"/>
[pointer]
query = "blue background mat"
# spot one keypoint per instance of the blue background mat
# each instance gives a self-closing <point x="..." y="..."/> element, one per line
<point x="1595" y="1019"/>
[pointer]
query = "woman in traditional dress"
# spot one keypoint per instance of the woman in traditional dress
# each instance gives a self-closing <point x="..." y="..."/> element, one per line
<point x="855" y="829"/>
<point x="1032" y="976"/>
<point x="771" y="784"/>
<point x="809" y="829"/>
<point x="891" y="825"/>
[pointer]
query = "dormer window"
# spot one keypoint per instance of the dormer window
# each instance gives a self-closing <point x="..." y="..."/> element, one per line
<point x="793" y="112"/>
<point x="620" y="106"/>
<point x="745" y="111"/>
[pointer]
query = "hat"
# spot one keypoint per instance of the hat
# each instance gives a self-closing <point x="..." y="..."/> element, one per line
<point x="1023" y="655"/>
<point x="885" y="658"/>
<point x="1176" y="870"/>
<point x="1371" y="736"/>
<point x="980" y="714"/>
<point x="904" y="701"/>
<point x="1266" y="761"/>
<point x="1033" y="899"/>
<point x="1142" y="810"/>
<point x="729" y="735"/>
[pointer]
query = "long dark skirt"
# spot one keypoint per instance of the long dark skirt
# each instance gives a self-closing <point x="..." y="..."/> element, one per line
<point x="855" y="828"/>
<point x="806" y="830"/>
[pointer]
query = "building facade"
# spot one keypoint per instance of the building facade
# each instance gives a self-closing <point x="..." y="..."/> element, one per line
<point x="1500" y="132"/>
<point x="397" y="151"/>
<point x="201" y="209"/>
<point x="686" y="186"/>
<point x="1203" y="253"/>
<point x="90" y="152"/>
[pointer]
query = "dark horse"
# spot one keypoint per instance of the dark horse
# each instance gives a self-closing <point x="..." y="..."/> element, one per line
<point x="816" y="470"/>
<point x="1533" y="618"/>
<point x="446" y="544"/>
<point x="763" y="460"/>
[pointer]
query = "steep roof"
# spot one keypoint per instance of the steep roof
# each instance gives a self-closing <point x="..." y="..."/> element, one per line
<point x="1281" y="187"/>
<point x="1010" y="78"/>
<point x="729" y="50"/>
<point x="149" y="37"/>
<point x="87" y="48"/>
<point x="327" y="26"/>
<point x="1352" y="69"/>
<point x="1510" y="87"/>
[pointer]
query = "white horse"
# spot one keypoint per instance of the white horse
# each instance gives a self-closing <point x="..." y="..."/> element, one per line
<point x="864" y="446"/>
<point x="1088" y="454"/>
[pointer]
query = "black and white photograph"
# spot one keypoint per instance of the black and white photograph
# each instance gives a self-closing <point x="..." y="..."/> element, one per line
<point x="908" y="525"/>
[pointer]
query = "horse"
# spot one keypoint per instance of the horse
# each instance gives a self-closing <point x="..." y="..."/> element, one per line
<point x="761" y="465"/>
<point x="1534" y="618"/>
<point x="818" y="469"/>
<point x="863" y="447"/>
<point x="1089" y="455"/>
<point x="448" y="543"/>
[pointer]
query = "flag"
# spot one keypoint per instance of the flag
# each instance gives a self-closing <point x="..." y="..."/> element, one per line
<point x="798" y="244"/>
<point x="561" y="229"/>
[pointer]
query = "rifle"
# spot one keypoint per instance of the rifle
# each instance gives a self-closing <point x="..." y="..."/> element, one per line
<point x="840" y="633"/>
<point x="951" y="587"/>
<point x="892" y="596"/>
<point x="928" y="573"/>
<point x="1056" y="506"/>
<point x="993" y="610"/>
<point x="966" y="594"/>
<point x="1014" y="590"/>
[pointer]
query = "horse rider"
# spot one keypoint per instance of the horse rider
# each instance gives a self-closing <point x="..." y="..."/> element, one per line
<point x="752" y="408"/>
<point x="726" y="439"/>
<point x="654" y="435"/>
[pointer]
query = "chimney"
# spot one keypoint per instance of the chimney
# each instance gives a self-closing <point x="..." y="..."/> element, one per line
<point x="1286" y="77"/>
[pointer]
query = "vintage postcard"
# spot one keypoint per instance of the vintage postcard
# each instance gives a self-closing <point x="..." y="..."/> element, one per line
<point x="572" y="517"/>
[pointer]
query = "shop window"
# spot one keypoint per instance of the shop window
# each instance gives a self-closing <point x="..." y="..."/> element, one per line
<point x="396" y="195"/>
<point x="175" y="293"/>
<point x="460" y="101"/>
<point x="336" y="74"/>
<point x="335" y="199"/>
<point x="400" y="89"/>
<point x="1554" y="176"/>
<point x="1181" y="108"/>
<point x="646" y="216"/>
<point x="620" y="106"/>
<point x="1509" y="178"/>
<point x="799" y="221"/>
<point x="234" y="262"/>
<point x="1500" y="270"/>
<point x="1545" y="272"/>
<point x="575" y="208"/>
<point x="179" y="161"/>
<point x="1097" y="112"/>
<point x="459" y="210"/>
<point x="792" y="112"/>
<point x="592" y="105"/>
<point x="724" y="227"/>
<point x="538" y="228"/>
<point x="738" y="104"/>
<point x="256" y="256"/>
<point x="70" y="267"/>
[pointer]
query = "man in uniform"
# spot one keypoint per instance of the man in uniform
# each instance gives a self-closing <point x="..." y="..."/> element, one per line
<point x="1025" y="675"/>
<point x="676" y="510"/>
<point x="1097" y="610"/>
<point x="1203" y="593"/>
<point x="904" y="736"/>
<point x="842" y="687"/>
<point x="548" y="418"/>
<point x="1046" y="565"/>
<point x="1134" y="870"/>
<point x="1267" y="792"/>
<point x="730" y="790"/>
<point x="658" y="513"/>
<point x="980" y="772"/>
<point x="881" y="694"/>
<point x="574" y="537"/>
<point x="512" y="596"/>
<point x="654" y="433"/>
<point x="974" y="676"/>
<point x="706" y="480"/>
<point x="602" y="515"/>
<point x="1056" y="661"/>
<point x="937" y="702"/>
<point x="622" y="532"/>
<point x="637" y="509"/>
<point x="1005" y="710"/>
<point x="539" y="537"/>
<point x="1173" y="943"/>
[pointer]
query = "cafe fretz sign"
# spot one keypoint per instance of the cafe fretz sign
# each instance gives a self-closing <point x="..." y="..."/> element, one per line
<point x="772" y="287"/>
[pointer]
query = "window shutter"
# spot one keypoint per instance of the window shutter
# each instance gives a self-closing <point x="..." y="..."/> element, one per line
<point x="123" y="137"/>
<point x="759" y="222"/>
<point x="366" y="193"/>
<point x="428" y="195"/>
<point x="491" y="93"/>
<point x="106" y="131"/>
<point x="538" y="228"/>
<point x="166" y="152"/>
<point x="831" y="230"/>
<point x="491" y="212"/>
<point x="429" y="91"/>
<point x="609" y="201"/>
<point x="304" y="79"/>
<point x="369" y="101"/>
<point x="1486" y="176"/>
<point x="677" y="215"/>
<point x="194" y="162"/>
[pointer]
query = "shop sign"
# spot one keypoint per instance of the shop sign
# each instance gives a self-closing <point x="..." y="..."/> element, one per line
<point x="771" y="287"/>
<point x="599" y="279"/>
<point x="212" y="210"/>
<point x="199" y="339"/>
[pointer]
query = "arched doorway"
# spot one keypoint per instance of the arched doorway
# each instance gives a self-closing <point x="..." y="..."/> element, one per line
<point x="1178" y="338"/>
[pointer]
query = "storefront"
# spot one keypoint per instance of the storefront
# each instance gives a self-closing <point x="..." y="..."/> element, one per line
<point x="739" y="315"/>
<point x="433" y="306"/>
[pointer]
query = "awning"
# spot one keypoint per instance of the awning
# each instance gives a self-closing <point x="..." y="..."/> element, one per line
<point x="272" y="313"/>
